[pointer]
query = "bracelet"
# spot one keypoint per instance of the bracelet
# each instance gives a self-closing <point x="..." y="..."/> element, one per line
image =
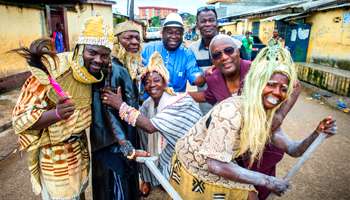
<point x="128" y="114"/>
<point x="130" y="157"/>
<point x="57" y="114"/>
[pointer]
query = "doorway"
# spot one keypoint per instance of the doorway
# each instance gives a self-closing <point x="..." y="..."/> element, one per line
<point x="297" y="41"/>
<point x="57" y="16"/>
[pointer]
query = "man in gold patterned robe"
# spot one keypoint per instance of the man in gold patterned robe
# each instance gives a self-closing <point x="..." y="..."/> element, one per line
<point x="52" y="129"/>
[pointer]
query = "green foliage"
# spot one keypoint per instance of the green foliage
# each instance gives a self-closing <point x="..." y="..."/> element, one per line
<point x="191" y="20"/>
<point x="155" y="21"/>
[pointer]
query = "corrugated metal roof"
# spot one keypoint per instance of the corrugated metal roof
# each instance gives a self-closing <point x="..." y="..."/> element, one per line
<point x="268" y="9"/>
<point x="279" y="17"/>
<point x="315" y="4"/>
<point x="297" y="6"/>
<point x="334" y="6"/>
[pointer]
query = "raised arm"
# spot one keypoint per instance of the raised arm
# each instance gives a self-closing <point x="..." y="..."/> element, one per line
<point x="193" y="73"/>
<point x="282" y="112"/>
<point x="297" y="148"/>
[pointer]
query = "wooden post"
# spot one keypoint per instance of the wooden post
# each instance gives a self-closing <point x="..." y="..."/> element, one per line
<point x="65" y="23"/>
<point x="48" y="20"/>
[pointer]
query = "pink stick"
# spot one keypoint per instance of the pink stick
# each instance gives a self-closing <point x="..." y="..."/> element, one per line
<point x="57" y="87"/>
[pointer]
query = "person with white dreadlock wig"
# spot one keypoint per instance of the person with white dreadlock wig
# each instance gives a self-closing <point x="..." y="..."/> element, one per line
<point x="205" y="165"/>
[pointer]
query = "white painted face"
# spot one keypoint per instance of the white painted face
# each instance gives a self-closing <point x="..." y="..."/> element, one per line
<point x="275" y="91"/>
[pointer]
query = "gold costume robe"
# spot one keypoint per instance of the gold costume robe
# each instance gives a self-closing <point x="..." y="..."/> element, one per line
<point x="55" y="158"/>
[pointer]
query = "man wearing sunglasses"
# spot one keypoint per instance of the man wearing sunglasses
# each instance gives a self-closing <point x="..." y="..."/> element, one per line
<point x="208" y="27"/>
<point x="179" y="61"/>
<point x="229" y="72"/>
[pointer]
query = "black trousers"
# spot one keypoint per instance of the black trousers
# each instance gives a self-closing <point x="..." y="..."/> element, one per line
<point x="114" y="177"/>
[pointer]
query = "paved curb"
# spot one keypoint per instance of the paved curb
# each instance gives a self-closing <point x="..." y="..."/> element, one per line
<point x="331" y="100"/>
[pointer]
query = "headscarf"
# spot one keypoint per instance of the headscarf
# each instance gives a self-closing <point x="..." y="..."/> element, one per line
<point x="131" y="61"/>
<point x="255" y="132"/>
<point x="95" y="32"/>
<point x="156" y="64"/>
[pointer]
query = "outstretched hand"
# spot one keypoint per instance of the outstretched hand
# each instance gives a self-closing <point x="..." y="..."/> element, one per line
<point x="112" y="99"/>
<point x="141" y="153"/>
<point x="327" y="126"/>
<point x="277" y="186"/>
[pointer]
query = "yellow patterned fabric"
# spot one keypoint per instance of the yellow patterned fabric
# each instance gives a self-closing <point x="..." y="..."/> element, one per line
<point x="54" y="160"/>
<point x="219" y="141"/>
<point x="127" y="26"/>
<point x="190" y="187"/>
<point x="80" y="72"/>
<point x="96" y="32"/>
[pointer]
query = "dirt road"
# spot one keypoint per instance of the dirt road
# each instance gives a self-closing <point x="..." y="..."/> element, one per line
<point x="326" y="176"/>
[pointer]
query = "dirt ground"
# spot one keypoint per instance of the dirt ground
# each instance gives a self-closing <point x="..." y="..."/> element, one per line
<point x="326" y="176"/>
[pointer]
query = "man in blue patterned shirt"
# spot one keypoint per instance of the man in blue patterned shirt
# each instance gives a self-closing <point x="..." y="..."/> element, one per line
<point x="180" y="61"/>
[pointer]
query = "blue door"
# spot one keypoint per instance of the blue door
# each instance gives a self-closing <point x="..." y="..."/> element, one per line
<point x="297" y="41"/>
<point x="255" y="26"/>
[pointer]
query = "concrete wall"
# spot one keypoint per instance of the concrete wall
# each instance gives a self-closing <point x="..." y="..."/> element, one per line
<point x="265" y="30"/>
<point x="19" y="26"/>
<point x="76" y="20"/>
<point x="230" y="27"/>
<point x="240" y="28"/>
<point x="330" y="41"/>
<point x="328" y="78"/>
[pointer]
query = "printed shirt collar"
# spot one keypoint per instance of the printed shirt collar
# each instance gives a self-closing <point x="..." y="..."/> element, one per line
<point x="202" y="46"/>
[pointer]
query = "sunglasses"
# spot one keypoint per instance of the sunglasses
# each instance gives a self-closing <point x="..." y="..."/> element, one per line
<point x="206" y="8"/>
<point x="228" y="51"/>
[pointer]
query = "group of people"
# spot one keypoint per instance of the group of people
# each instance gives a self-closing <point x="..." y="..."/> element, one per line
<point x="131" y="102"/>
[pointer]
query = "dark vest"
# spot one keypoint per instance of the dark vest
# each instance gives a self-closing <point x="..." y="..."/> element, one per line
<point x="107" y="127"/>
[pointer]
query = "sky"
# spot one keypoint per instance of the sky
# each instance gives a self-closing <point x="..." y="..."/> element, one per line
<point x="189" y="6"/>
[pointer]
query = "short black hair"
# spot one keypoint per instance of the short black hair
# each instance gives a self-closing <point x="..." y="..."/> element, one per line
<point x="206" y="9"/>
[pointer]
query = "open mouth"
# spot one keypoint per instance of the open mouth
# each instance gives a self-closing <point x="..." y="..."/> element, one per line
<point x="208" y="30"/>
<point x="273" y="100"/>
<point x="153" y="91"/>
<point x="227" y="65"/>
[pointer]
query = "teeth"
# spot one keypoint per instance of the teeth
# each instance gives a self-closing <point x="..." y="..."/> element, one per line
<point x="272" y="100"/>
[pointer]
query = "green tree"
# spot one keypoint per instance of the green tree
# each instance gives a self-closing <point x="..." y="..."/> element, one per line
<point x="191" y="20"/>
<point x="155" y="21"/>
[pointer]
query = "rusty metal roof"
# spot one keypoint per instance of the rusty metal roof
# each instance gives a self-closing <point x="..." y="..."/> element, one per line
<point x="302" y="6"/>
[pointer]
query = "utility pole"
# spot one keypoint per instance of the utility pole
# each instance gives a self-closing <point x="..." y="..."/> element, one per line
<point x="131" y="10"/>
<point x="127" y="7"/>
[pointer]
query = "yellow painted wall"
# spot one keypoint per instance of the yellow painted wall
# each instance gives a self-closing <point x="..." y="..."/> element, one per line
<point x="249" y="26"/>
<point x="329" y="40"/>
<point x="19" y="26"/>
<point x="76" y="20"/>
<point x="240" y="28"/>
<point x="230" y="27"/>
<point x="265" y="30"/>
